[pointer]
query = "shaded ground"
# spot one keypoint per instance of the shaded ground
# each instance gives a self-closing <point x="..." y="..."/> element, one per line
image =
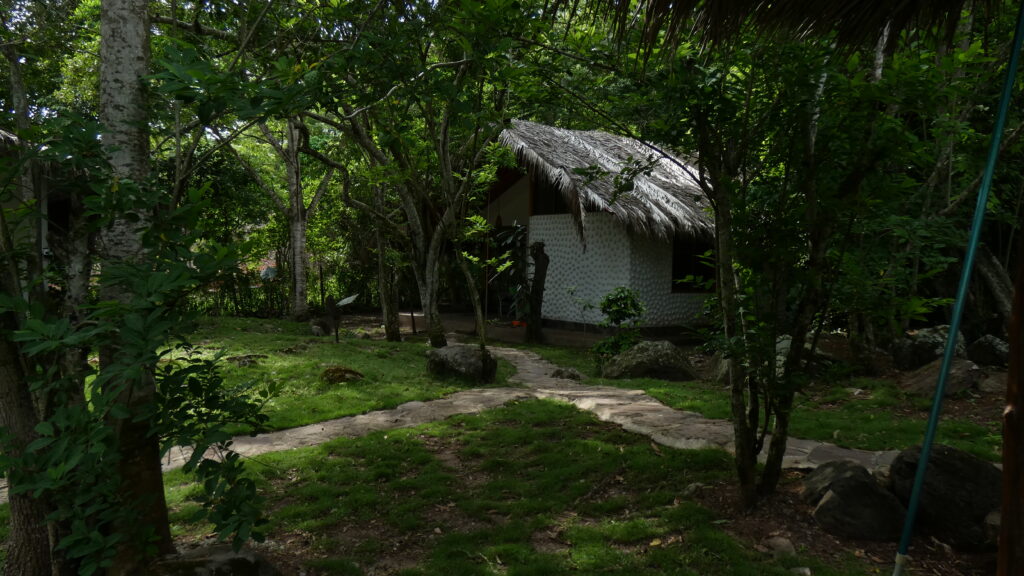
<point x="384" y="549"/>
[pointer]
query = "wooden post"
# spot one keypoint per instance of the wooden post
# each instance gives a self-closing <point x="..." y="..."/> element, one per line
<point x="1011" y="533"/>
<point x="540" y="272"/>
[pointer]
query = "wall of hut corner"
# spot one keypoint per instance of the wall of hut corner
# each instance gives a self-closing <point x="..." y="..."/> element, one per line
<point x="613" y="258"/>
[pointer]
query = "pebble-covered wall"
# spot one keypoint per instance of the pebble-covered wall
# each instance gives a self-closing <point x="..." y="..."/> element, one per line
<point x="613" y="258"/>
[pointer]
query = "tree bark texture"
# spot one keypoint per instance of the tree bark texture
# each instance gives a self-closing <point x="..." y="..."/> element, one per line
<point x="124" y="61"/>
<point x="534" y="331"/>
<point x="296" y="219"/>
<point x="480" y="324"/>
<point x="1011" y="536"/>
<point x="28" y="545"/>
<point x="387" y="284"/>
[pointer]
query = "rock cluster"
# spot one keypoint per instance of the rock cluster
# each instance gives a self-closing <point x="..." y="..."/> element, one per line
<point x="919" y="347"/>
<point x="960" y="495"/>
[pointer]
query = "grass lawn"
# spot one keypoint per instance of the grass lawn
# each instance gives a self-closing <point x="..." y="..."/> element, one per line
<point x="394" y="372"/>
<point x="536" y="487"/>
<point x="870" y="414"/>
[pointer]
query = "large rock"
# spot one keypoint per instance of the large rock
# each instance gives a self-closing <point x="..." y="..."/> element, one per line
<point x="857" y="506"/>
<point x="660" y="359"/>
<point x="817" y="483"/>
<point x="960" y="491"/>
<point x="218" y="560"/>
<point x="464" y="361"/>
<point x="963" y="375"/>
<point x="919" y="347"/>
<point x="989" y="351"/>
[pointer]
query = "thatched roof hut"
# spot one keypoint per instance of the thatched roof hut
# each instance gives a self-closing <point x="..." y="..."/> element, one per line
<point x="664" y="201"/>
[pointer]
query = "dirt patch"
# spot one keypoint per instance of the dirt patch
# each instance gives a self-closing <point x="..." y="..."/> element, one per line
<point x="785" y="514"/>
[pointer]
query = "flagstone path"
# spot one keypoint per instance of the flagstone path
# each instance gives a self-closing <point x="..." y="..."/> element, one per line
<point x="634" y="410"/>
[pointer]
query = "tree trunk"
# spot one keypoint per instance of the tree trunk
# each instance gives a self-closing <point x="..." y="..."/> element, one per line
<point x="534" y="331"/>
<point x="296" y="220"/>
<point x="28" y="544"/>
<point x="387" y="281"/>
<point x="744" y="430"/>
<point x="124" y="62"/>
<point x="480" y="325"/>
<point x="1011" y="536"/>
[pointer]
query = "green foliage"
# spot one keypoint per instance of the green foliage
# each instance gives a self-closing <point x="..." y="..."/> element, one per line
<point x="622" y="306"/>
<point x="614" y="345"/>
<point x="623" y="310"/>
<point x="73" y="463"/>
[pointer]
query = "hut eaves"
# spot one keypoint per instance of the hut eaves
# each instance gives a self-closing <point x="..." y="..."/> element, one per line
<point x="665" y="201"/>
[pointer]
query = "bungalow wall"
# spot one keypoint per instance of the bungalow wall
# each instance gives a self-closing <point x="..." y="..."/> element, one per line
<point x="613" y="258"/>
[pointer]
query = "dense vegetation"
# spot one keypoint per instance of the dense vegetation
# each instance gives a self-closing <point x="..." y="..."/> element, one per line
<point x="271" y="158"/>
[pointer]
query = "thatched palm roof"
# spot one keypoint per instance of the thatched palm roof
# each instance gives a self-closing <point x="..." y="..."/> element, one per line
<point x="664" y="201"/>
<point x="7" y="140"/>
<point x="853" y="21"/>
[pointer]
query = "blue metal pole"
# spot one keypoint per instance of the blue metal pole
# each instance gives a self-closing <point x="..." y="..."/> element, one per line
<point x="961" y="295"/>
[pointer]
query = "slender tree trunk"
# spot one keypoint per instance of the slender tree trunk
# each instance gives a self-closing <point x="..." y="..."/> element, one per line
<point x="388" y="286"/>
<point x="743" y="400"/>
<point x="124" y="62"/>
<point x="474" y="297"/>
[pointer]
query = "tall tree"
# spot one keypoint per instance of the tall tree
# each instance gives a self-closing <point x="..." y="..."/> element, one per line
<point x="124" y="62"/>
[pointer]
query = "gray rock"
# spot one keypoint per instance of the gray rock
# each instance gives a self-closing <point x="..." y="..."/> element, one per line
<point x="989" y="351"/>
<point x="463" y="361"/>
<point x="800" y="571"/>
<point x="993" y="383"/>
<point x="963" y="375"/>
<point x="919" y="347"/>
<point x="960" y="491"/>
<point x="780" y="547"/>
<point x="567" y="374"/>
<point x="818" y="482"/>
<point x="218" y="560"/>
<point x="812" y="360"/>
<point x="856" y="506"/>
<point x="660" y="359"/>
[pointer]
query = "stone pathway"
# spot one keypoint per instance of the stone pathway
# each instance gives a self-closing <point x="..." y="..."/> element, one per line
<point x="632" y="409"/>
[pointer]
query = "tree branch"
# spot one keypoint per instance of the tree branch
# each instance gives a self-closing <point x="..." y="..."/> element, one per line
<point x="315" y="202"/>
<point x="195" y="27"/>
<point x="969" y="190"/>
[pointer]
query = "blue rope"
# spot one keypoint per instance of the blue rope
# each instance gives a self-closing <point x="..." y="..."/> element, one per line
<point x="961" y="295"/>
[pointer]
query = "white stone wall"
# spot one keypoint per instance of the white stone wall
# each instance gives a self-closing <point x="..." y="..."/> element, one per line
<point x="613" y="258"/>
<point x="651" y="277"/>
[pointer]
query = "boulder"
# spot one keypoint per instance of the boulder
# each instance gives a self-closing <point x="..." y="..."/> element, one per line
<point x="989" y="351"/>
<point x="959" y="493"/>
<point x="963" y="375"/>
<point x="218" y="560"/>
<point x="819" y="480"/>
<point x="661" y="359"/>
<point x="919" y="347"/>
<point x="567" y="374"/>
<point x="856" y="506"/>
<point x="993" y="383"/>
<point x="812" y="360"/>
<point x="463" y="361"/>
